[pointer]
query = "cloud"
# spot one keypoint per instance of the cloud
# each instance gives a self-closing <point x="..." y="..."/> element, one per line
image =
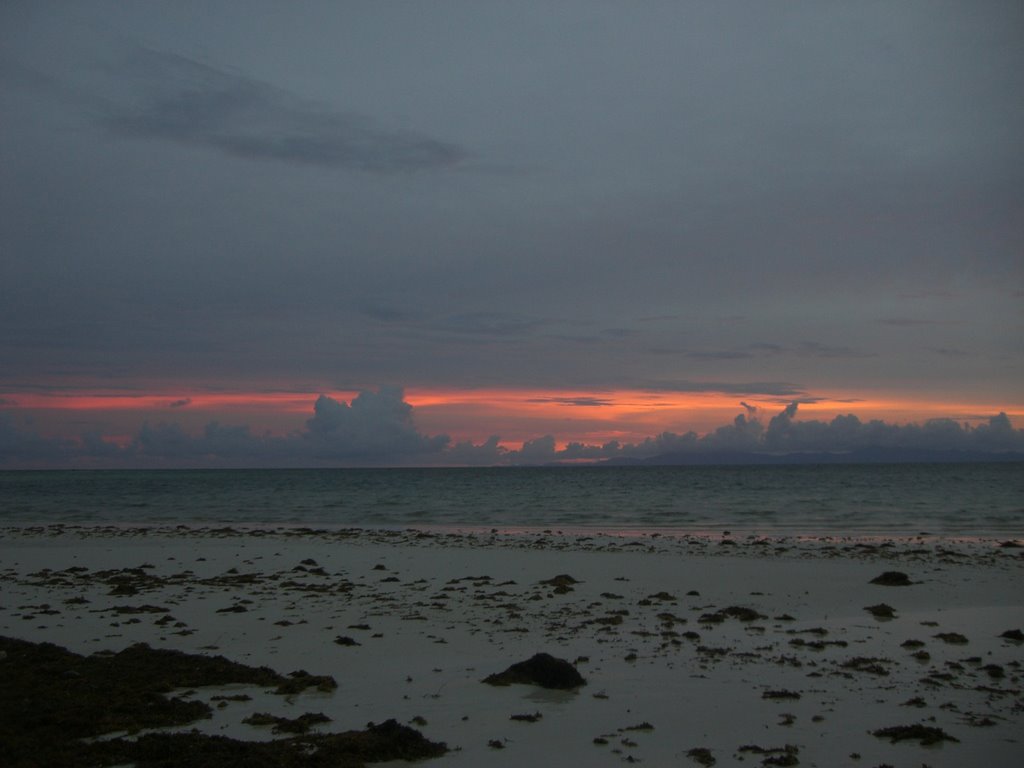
<point x="771" y="388"/>
<point x="376" y="426"/>
<point x="180" y="403"/>
<point x="143" y="93"/>
<point x="584" y="402"/>
<point x="724" y="354"/>
<point x="807" y="349"/>
<point x="24" y="447"/>
<point x="188" y="102"/>
<point x="490" y="324"/>
<point x="378" y="429"/>
<point x="487" y="453"/>
<point x="538" y="451"/>
<point x="909" y="322"/>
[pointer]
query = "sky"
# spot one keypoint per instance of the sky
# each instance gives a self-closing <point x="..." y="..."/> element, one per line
<point x="330" y="233"/>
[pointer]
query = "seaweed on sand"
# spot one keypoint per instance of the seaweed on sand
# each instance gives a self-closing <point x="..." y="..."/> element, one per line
<point x="925" y="734"/>
<point x="54" y="702"/>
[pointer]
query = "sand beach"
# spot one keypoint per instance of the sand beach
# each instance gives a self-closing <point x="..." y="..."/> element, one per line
<point x="715" y="649"/>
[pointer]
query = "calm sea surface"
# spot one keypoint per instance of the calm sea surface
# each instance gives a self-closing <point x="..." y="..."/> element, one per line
<point x="942" y="499"/>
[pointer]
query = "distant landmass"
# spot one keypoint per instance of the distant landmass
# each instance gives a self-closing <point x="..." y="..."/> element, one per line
<point x="861" y="456"/>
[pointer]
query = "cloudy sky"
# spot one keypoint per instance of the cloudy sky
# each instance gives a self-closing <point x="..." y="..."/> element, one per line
<point x="432" y="232"/>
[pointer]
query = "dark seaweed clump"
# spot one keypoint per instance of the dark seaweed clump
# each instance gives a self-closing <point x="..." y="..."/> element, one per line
<point x="925" y="734"/>
<point x="51" y="699"/>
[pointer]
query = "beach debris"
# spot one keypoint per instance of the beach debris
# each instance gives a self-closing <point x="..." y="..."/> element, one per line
<point x="817" y="645"/>
<point x="662" y="596"/>
<point x="136" y="609"/>
<point x="925" y="734"/>
<point x="917" y="701"/>
<point x="541" y="669"/>
<point x="994" y="671"/>
<point x="892" y="579"/>
<point x="77" y="698"/>
<point x="232" y="697"/>
<point x="644" y="726"/>
<point x="785" y="756"/>
<point x="701" y="756"/>
<point x="527" y="718"/>
<point x="300" y="680"/>
<point x="385" y="742"/>
<point x="300" y="724"/>
<point x="780" y="694"/>
<point x="236" y="608"/>
<point x="868" y="664"/>
<point x="881" y="611"/>
<point x="732" y="612"/>
<point x="562" y="583"/>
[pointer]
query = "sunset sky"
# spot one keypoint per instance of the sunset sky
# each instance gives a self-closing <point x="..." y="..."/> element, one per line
<point x="469" y="232"/>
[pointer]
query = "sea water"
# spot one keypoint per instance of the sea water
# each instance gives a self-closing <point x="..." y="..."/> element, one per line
<point x="940" y="499"/>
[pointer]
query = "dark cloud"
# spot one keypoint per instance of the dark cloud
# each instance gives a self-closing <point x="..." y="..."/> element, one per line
<point x="807" y="349"/>
<point x="377" y="429"/>
<point x="20" y="447"/>
<point x="724" y="354"/>
<point x="490" y="324"/>
<point x="182" y="100"/>
<point x="811" y="349"/>
<point x="770" y="388"/>
<point x="540" y="450"/>
<point x="585" y="402"/>
<point x="487" y="453"/>
<point x="817" y="349"/>
<point x="907" y="322"/>
<point x="180" y="403"/>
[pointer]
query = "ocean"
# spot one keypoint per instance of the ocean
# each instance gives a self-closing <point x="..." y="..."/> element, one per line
<point x="975" y="499"/>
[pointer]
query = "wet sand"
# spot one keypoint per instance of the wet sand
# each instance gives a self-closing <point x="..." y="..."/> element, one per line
<point x="694" y="648"/>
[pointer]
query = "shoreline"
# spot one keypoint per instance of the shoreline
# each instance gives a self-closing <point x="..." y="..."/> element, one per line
<point x="431" y="613"/>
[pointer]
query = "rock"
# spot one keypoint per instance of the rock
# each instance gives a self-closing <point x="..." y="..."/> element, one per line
<point x="543" y="670"/>
<point x="892" y="579"/>
<point x="561" y="580"/>
<point x="1013" y="634"/>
